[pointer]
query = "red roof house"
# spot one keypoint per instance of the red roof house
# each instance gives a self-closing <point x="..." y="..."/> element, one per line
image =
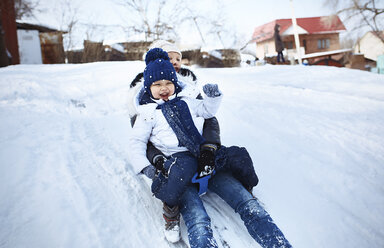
<point x="316" y="34"/>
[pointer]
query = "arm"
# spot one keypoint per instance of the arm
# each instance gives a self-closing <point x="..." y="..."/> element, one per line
<point x="140" y="134"/>
<point x="139" y="78"/>
<point x="208" y="107"/>
<point x="211" y="131"/>
<point x="152" y="151"/>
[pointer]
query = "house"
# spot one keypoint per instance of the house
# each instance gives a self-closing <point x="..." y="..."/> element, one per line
<point x="370" y="45"/>
<point x="107" y="51"/>
<point x="318" y="36"/>
<point x="39" y="44"/>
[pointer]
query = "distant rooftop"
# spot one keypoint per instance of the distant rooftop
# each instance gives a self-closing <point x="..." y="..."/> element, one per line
<point x="40" y="28"/>
<point x="309" y="25"/>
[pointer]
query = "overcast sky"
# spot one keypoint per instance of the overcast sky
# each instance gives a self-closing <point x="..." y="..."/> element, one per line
<point x="243" y="15"/>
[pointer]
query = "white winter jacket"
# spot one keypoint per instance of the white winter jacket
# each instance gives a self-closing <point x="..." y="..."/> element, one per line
<point x="151" y="125"/>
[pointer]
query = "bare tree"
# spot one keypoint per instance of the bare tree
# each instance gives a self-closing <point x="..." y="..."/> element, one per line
<point x="195" y="18"/>
<point x="25" y="8"/>
<point x="212" y="24"/>
<point x="149" y="17"/>
<point x="163" y="19"/>
<point x="365" y="13"/>
<point x="67" y="13"/>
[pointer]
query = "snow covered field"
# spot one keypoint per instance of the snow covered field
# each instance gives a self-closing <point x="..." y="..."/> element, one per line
<point x="316" y="135"/>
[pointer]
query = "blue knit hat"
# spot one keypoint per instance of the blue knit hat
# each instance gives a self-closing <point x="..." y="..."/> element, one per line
<point x="158" y="68"/>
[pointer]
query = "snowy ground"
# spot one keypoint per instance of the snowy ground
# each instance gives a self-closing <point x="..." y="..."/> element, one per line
<point x="316" y="135"/>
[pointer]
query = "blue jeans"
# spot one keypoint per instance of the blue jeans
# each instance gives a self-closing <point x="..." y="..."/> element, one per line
<point x="183" y="165"/>
<point x="258" y="222"/>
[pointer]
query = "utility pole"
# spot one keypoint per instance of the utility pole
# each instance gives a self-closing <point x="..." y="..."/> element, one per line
<point x="297" y="41"/>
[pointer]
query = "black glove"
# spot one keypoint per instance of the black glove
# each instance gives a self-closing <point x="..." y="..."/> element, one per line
<point x="206" y="160"/>
<point x="159" y="161"/>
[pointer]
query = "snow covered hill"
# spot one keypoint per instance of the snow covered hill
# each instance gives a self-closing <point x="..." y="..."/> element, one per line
<point x="316" y="135"/>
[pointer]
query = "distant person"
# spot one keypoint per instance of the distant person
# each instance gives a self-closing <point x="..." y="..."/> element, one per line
<point x="279" y="45"/>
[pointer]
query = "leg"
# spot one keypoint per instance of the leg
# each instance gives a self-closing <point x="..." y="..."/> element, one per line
<point x="181" y="168"/>
<point x="171" y="216"/>
<point x="196" y="219"/>
<point x="258" y="222"/>
<point x="237" y="161"/>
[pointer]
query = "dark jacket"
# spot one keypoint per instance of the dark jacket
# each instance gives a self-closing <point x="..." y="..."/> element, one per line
<point x="279" y="45"/>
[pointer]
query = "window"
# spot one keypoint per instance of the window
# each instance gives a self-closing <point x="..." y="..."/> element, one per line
<point x="323" y="43"/>
<point x="288" y="45"/>
<point x="265" y="49"/>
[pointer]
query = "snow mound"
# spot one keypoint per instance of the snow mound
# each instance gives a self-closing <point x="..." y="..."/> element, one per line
<point x="316" y="136"/>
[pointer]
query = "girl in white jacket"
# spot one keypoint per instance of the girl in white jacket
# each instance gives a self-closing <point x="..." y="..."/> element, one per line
<point x="172" y="119"/>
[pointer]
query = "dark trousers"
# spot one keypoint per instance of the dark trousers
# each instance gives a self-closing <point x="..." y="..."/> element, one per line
<point x="280" y="57"/>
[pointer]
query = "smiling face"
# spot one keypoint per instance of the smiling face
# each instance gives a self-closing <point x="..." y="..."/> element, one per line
<point x="162" y="89"/>
<point x="175" y="59"/>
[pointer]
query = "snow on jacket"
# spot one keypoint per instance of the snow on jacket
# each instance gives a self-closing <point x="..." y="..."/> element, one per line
<point x="151" y="125"/>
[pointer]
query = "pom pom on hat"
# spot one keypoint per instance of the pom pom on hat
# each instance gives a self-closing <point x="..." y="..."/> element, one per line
<point x="154" y="54"/>
<point x="158" y="68"/>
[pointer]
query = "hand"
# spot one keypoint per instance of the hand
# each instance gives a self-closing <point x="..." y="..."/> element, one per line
<point x="149" y="171"/>
<point x="211" y="90"/>
<point x="159" y="161"/>
<point x="206" y="161"/>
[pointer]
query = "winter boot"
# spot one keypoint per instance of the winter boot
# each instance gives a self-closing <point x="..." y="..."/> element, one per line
<point x="171" y="216"/>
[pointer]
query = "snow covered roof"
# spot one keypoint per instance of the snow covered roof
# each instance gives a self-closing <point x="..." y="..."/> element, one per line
<point x="312" y="55"/>
<point x="40" y="28"/>
<point x="309" y="25"/>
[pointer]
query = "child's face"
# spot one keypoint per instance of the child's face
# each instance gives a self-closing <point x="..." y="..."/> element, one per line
<point x="175" y="59"/>
<point x="162" y="89"/>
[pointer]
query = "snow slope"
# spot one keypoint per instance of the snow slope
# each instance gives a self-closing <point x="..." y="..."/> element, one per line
<point x="315" y="135"/>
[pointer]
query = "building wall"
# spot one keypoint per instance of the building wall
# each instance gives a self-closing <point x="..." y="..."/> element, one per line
<point x="265" y="48"/>
<point x="29" y="47"/>
<point x="370" y="46"/>
<point x="312" y="42"/>
<point x="308" y="41"/>
<point x="52" y="47"/>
